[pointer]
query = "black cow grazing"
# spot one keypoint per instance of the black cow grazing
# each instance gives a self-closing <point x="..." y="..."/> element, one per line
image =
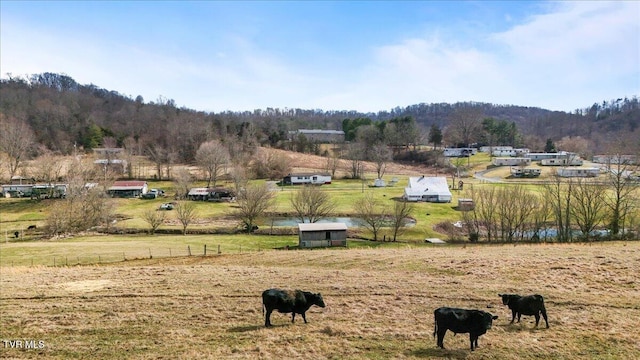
<point x="525" y="305"/>
<point x="288" y="301"/>
<point x="31" y="227"/>
<point x="460" y="321"/>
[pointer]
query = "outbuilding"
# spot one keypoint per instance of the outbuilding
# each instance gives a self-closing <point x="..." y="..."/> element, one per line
<point x="322" y="234"/>
<point x="430" y="189"/>
<point x="128" y="189"/>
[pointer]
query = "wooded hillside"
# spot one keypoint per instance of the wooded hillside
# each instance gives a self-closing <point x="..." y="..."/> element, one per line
<point x="65" y="116"/>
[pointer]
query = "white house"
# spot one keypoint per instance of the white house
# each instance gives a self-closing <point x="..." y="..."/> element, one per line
<point x="430" y="189"/>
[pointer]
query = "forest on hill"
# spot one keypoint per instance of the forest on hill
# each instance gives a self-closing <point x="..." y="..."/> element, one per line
<point x="64" y="116"/>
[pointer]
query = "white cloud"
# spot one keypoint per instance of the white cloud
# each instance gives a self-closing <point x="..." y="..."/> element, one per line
<point x="575" y="54"/>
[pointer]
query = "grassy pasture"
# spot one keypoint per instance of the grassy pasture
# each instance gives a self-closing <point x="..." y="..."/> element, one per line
<point x="380" y="304"/>
<point x="18" y="214"/>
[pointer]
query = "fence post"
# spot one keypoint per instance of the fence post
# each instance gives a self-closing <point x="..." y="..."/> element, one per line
<point x="189" y="249"/>
<point x="205" y="249"/>
<point x="54" y="261"/>
<point x="219" y="252"/>
<point x="150" y="256"/>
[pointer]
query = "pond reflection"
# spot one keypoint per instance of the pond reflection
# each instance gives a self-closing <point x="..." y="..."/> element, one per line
<point x="349" y="221"/>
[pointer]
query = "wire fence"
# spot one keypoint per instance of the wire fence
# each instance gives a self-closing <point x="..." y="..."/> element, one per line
<point x="84" y="258"/>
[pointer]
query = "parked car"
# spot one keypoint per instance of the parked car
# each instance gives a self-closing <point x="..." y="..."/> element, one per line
<point x="167" y="206"/>
<point x="157" y="192"/>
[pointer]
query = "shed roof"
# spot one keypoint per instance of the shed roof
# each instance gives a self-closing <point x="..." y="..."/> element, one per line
<point x="322" y="226"/>
<point x="128" y="185"/>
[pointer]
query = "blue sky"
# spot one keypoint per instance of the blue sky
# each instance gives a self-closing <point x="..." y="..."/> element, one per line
<point x="332" y="55"/>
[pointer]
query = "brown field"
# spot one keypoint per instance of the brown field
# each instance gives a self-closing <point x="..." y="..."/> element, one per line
<point x="379" y="304"/>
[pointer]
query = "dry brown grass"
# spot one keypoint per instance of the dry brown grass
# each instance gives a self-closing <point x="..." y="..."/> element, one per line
<point x="379" y="304"/>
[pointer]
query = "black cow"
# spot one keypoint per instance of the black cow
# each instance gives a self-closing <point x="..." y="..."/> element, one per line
<point x="525" y="305"/>
<point x="288" y="301"/>
<point x="460" y="321"/>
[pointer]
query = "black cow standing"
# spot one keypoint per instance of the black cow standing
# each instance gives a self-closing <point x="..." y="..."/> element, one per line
<point x="525" y="305"/>
<point x="288" y="301"/>
<point x="460" y="321"/>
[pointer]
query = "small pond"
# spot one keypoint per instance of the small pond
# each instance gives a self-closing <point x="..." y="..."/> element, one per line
<point x="349" y="221"/>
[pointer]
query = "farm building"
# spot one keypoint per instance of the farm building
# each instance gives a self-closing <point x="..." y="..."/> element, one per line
<point x="578" y="172"/>
<point x="322" y="234"/>
<point x="308" y="178"/>
<point x="210" y="194"/>
<point x="430" y="189"/>
<point x="128" y="189"/>
<point x="317" y="135"/>
<point x="510" y="161"/>
<point x="525" y="172"/>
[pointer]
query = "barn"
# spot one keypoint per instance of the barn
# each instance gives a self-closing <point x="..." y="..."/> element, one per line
<point x="322" y="234"/>
<point x="128" y="189"/>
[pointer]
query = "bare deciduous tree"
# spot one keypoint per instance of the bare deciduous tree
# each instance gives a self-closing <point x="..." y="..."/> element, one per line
<point x="270" y="165"/>
<point x="372" y="212"/>
<point x="213" y="158"/>
<point x="588" y="206"/>
<point x="311" y="204"/>
<point x="85" y="205"/>
<point x="620" y="199"/>
<point x="48" y="169"/>
<point x="182" y="183"/>
<point x="402" y="210"/>
<point x="186" y="214"/>
<point x="558" y="193"/>
<point x="253" y="201"/>
<point x="16" y="140"/>
<point x="355" y="154"/>
<point x="154" y="218"/>
<point x="380" y="154"/>
<point x="158" y="155"/>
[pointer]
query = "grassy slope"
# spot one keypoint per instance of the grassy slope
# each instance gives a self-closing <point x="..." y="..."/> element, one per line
<point x="380" y="304"/>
